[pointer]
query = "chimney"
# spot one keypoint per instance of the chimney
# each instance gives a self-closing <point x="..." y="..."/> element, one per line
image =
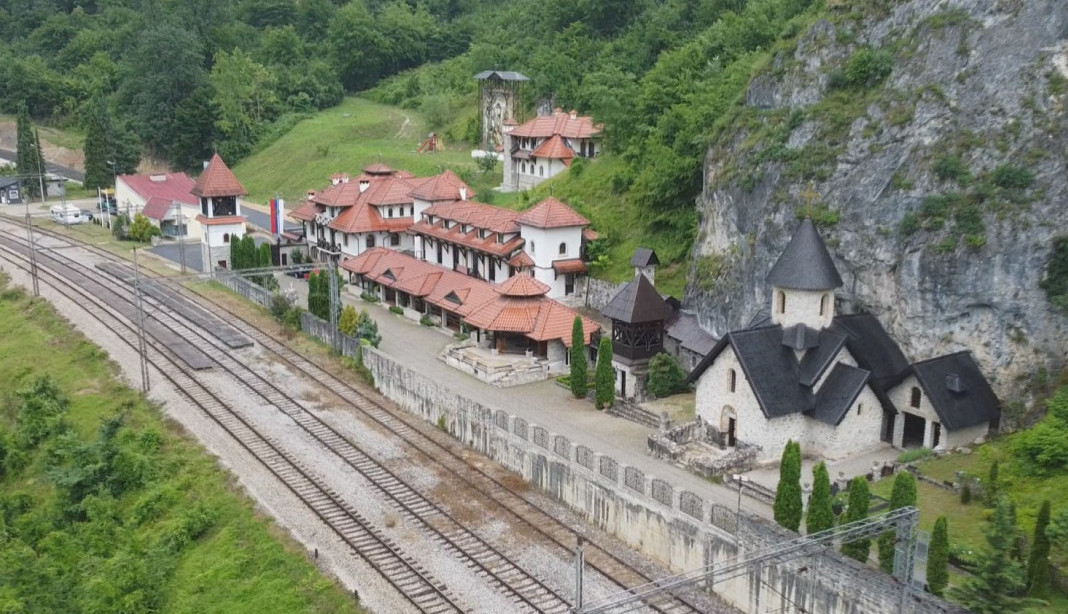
<point x="206" y="162"/>
<point x="157" y="177"/>
<point x="557" y="111"/>
<point x="364" y="184"/>
<point x="463" y="193"/>
<point x="573" y="114"/>
<point x="344" y="179"/>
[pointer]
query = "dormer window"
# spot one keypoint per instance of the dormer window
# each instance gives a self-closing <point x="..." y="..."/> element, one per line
<point x="390" y="212"/>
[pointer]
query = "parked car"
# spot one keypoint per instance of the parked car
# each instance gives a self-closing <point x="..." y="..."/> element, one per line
<point x="87" y="215"/>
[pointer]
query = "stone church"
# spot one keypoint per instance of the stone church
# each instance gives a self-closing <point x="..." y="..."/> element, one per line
<point x="838" y="384"/>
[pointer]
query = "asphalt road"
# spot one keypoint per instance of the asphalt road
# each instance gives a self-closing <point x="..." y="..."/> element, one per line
<point x="62" y="171"/>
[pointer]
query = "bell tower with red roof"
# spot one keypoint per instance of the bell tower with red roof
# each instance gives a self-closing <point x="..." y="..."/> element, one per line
<point x="220" y="212"/>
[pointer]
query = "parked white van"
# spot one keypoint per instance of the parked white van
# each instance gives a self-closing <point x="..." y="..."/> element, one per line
<point x="67" y="214"/>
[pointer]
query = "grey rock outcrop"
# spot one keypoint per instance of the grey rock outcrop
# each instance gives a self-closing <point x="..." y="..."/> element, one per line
<point x="974" y="85"/>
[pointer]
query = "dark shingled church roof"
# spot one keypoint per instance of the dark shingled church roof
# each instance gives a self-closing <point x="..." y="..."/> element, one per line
<point x="805" y="263"/>
<point x="873" y="348"/>
<point x="637" y="302"/>
<point x="685" y="329"/>
<point x="772" y="369"/>
<point x="800" y="337"/>
<point x="816" y="362"/>
<point x="957" y="389"/>
<point x="838" y="392"/>
<point x="643" y="257"/>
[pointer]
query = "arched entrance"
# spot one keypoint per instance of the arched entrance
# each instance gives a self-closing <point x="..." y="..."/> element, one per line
<point x="728" y="425"/>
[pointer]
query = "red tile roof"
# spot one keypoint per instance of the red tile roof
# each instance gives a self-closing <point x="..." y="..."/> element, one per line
<point x="306" y="211"/>
<point x="218" y="180"/>
<point x="553" y="147"/>
<point x="522" y="285"/>
<point x="445" y="186"/>
<point x="551" y="213"/>
<point x="559" y="123"/>
<point x="590" y="234"/>
<point x="575" y="265"/>
<point x="470" y="239"/>
<point x="480" y="303"/>
<point x="157" y="207"/>
<point x="521" y="260"/>
<point x="495" y="219"/>
<point x="171" y="187"/>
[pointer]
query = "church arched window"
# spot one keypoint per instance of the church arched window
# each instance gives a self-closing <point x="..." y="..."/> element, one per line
<point x="780" y="300"/>
<point x="226" y="237"/>
<point x="823" y="304"/>
<point x="732" y="380"/>
<point x="914" y="401"/>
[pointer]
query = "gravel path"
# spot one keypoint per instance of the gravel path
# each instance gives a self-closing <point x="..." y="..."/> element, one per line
<point x="334" y="558"/>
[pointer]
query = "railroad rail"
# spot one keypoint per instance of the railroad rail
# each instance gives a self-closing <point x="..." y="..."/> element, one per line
<point x="435" y="446"/>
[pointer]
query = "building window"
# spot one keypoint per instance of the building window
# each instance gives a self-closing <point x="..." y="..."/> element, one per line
<point x="390" y="212"/>
<point x="860" y="408"/>
<point x="780" y="298"/>
<point x="732" y="380"/>
<point x="563" y="249"/>
<point x="531" y="247"/>
<point x="914" y="401"/>
<point x="541" y="171"/>
<point x="493" y="271"/>
<point x="524" y="167"/>
<point x="346" y="240"/>
<point x="370" y="241"/>
<point x="394" y="239"/>
<point x="823" y="304"/>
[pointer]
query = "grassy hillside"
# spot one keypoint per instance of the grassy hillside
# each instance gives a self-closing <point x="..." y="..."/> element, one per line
<point x="106" y="507"/>
<point x="345" y="139"/>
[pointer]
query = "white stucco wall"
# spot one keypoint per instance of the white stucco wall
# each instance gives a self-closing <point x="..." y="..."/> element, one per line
<point x="802" y="307"/>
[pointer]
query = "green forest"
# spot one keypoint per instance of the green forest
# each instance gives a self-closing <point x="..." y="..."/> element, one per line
<point x="178" y="79"/>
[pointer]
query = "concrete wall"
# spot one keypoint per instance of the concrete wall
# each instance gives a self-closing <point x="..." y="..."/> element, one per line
<point x="673" y="525"/>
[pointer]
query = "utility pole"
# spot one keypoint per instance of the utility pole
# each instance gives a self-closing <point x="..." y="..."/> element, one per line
<point x="33" y="251"/>
<point x="580" y="564"/>
<point x="181" y="235"/>
<point x="335" y="340"/>
<point x="142" y="346"/>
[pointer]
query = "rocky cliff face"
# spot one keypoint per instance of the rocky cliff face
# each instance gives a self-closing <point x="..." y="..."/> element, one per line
<point x="928" y="140"/>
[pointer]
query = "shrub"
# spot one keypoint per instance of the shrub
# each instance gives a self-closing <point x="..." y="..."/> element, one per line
<point x="426" y="320"/>
<point x="397" y="309"/>
<point x="1012" y="177"/>
<point x="665" y="376"/>
<point x="966" y="494"/>
<point x="951" y="167"/>
<point x="367" y="328"/>
<point x="347" y="322"/>
<point x="142" y="229"/>
<point x="868" y="66"/>
<point x="913" y="455"/>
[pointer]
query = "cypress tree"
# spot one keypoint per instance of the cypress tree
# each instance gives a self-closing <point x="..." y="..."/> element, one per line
<point x="859" y="500"/>
<point x="991" y="486"/>
<point x="604" y="379"/>
<point x="27" y="158"/>
<point x="820" y="515"/>
<point x="788" y="508"/>
<point x="903" y="494"/>
<point x="997" y="578"/>
<point x="938" y="558"/>
<point x="1038" y="572"/>
<point x="578" y="360"/>
<point x="96" y="146"/>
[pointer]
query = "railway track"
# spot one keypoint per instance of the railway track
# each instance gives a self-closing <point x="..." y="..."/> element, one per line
<point x="505" y="575"/>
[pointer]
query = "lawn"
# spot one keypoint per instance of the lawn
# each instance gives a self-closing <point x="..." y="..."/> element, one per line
<point x="241" y="562"/>
<point x="345" y="139"/>
<point x="967" y="523"/>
